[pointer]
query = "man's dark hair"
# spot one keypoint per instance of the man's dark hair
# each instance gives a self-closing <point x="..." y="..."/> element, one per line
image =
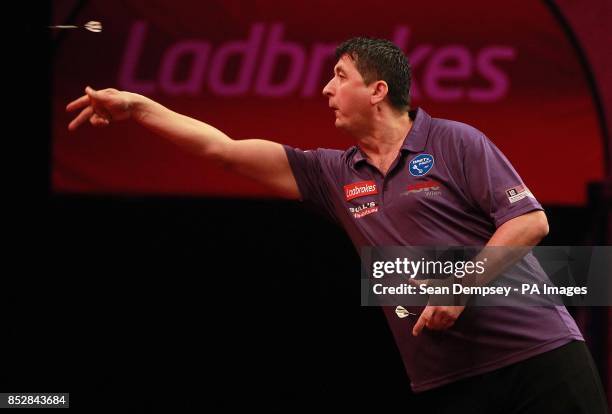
<point x="380" y="59"/>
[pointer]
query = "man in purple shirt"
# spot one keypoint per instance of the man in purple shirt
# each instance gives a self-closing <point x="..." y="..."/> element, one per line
<point x="411" y="180"/>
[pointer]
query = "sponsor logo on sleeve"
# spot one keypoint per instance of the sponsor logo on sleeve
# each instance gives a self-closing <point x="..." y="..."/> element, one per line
<point x="518" y="193"/>
<point x="364" y="209"/>
<point x="359" y="189"/>
<point x="421" y="164"/>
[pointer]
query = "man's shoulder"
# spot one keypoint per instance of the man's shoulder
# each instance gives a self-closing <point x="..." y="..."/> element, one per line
<point x="457" y="129"/>
<point x="448" y="134"/>
<point x="328" y="159"/>
<point x="335" y="155"/>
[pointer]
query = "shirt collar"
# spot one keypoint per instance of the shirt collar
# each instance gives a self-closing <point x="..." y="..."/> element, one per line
<point x="414" y="142"/>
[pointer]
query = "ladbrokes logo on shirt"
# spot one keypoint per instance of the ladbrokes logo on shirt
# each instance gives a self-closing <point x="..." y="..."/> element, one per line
<point x="359" y="189"/>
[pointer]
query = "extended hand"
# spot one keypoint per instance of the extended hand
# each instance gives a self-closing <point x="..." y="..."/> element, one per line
<point x="100" y="107"/>
<point x="437" y="318"/>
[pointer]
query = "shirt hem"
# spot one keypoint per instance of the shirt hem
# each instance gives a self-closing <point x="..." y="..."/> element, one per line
<point x="515" y="213"/>
<point x="492" y="366"/>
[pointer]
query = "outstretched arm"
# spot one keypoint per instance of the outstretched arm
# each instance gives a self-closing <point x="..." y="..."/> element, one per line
<point x="261" y="160"/>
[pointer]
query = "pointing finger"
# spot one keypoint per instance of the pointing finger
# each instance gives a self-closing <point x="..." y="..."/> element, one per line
<point x="81" y="118"/>
<point x="423" y="320"/>
<point x="79" y="103"/>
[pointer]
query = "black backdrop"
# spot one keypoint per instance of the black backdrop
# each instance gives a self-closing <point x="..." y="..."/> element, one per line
<point x="230" y="301"/>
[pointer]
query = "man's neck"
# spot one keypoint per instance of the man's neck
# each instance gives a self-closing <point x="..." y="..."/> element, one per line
<point x="386" y="137"/>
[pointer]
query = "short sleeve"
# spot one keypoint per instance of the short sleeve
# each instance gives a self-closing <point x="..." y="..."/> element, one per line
<point x="309" y="173"/>
<point x="492" y="182"/>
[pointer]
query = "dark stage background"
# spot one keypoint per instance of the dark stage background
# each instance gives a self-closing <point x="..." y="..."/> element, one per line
<point x="177" y="301"/>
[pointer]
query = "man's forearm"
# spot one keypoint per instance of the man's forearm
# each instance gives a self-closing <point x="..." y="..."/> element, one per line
<point x="195" y="136"/>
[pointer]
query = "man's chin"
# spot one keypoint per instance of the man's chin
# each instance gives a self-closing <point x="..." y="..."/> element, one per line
<point x="342" y="126"/>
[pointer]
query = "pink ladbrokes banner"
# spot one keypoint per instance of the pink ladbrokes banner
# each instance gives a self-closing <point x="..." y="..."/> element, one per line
<point x="256" y="70"/>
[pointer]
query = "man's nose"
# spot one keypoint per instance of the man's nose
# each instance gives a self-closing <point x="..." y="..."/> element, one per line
<point x="327" y="90"/>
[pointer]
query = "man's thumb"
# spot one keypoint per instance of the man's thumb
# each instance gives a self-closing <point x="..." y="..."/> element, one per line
<point x="91" y="92"/>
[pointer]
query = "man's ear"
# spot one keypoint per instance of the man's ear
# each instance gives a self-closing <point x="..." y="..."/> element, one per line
<point x="379" y="92"/>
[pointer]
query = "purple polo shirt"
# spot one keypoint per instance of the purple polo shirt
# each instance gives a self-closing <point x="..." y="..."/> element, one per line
<point x="448" y="186"/>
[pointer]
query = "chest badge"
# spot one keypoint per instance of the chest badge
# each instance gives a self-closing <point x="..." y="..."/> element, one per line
<point x="421" y="164"/>
<point x="359" y="189"/>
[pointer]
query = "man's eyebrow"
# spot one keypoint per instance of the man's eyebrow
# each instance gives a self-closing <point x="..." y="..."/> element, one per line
<point x="339" y="69"/>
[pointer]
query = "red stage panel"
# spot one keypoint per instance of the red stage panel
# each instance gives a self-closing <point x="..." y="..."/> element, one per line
<point x="256" y="70"/>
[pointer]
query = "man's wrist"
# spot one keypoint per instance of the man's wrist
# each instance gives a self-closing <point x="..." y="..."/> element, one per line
<point x="137" y="106"/>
